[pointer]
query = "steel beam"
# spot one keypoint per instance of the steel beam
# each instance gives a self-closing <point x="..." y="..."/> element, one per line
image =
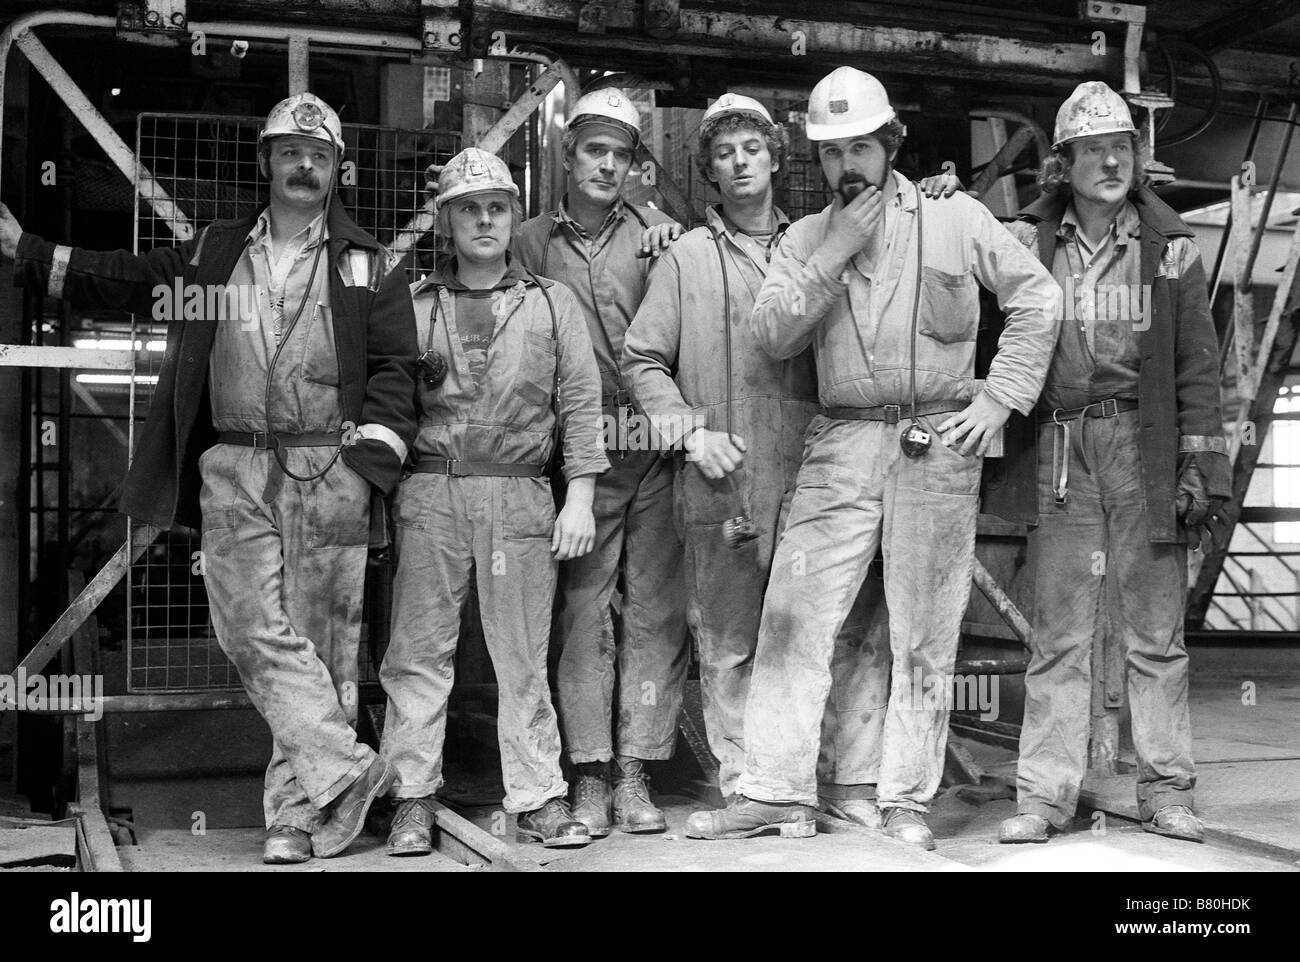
<point x="86" y="359"/>
<point x="1246" y="21"/>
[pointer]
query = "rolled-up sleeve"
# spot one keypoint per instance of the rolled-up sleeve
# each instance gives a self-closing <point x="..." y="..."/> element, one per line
<point x="1031" y="300"/>
<point x="797" y="294"/>
<point x="578" y="405"/>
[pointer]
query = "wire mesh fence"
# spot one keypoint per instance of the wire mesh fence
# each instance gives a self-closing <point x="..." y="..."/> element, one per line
<point x="207" y="166"/>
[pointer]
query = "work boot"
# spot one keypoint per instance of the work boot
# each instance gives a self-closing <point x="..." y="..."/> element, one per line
<point x="286" y="845"/>
<point x="553" y="825"/>
<point x="591" y="798"/>
<point x="343" y="819"/>
<point x="1176" y="821"/>
<point x="746" y="817"/>
<point x="908" y="826"/>
<point x="860" y="811"/>
<point x="412" y="829"/>
<point x="1023" y="827"/>
<point x="633" y="810"/>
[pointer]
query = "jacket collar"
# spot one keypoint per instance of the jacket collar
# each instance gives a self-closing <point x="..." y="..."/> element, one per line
<point x="444" y="275"/>
<point x="717" y="220"/>
<point x="1153" y="212"/>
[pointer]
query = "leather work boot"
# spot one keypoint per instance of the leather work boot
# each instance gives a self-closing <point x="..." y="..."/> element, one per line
<point x="1023" y="827"/>
<point x="860" y="811"/>
<point x="286" y="845"/>
<point x="412" y="829"/>
<point x="908" y="826"/>
<point x="343" y="819"/>
<point x="1176" y="821"/>
<point x="746" y="817"/>
<point x="553" y="825"/>
<point x="591" y="802"/>
<point x="633" y="810"/>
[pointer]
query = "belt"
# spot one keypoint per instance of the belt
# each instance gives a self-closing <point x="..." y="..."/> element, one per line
<point x="1061" y="439"/>
<point x="1109" y="408"/>
<point x="893" y="413"/>
<point x="478" y="469"/>
<point x="261" y="439"/>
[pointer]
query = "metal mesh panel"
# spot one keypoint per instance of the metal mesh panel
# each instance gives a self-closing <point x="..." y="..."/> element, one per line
<point x="207" y="165"/>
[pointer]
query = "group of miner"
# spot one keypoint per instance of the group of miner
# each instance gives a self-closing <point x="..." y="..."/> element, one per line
<point x="640" y="434"/>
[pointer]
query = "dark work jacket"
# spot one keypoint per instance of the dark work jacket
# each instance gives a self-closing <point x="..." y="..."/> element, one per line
<point x="1178" y="377"/>
<point x="374" y="335"/>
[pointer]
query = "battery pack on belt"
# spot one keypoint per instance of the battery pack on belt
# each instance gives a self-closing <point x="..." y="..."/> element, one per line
<point x="261" y="439"/>
<point x="893" y="413"/>
<point x="478" y="469"/>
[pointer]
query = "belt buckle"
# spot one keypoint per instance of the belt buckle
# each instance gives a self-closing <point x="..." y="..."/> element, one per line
<point x="447" y="467"/>
<point x="893" y="413"/>
<point x="261" y="440"/>
<point x="1113" y="410"/>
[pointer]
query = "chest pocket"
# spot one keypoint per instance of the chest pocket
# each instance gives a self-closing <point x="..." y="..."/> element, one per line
<point x="949" y="306"/>
<point x="537" y="363"/>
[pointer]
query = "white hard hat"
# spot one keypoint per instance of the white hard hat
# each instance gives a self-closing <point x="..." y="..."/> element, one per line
<point x="473" y="171"/>
<point x="304" y="115"/>
<point x="610" y="106"/>
<point x="847" y="103"/>
<point x="730" y="103"/>
<point x="1093" y="108"/>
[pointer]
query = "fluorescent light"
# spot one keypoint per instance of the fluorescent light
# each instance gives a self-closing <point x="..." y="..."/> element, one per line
<point x="118" y="344"/>
<point x="116" y="379"/>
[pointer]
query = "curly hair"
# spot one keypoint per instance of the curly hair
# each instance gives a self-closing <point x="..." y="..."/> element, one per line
<point x="774" y="135"/>
<point x="1053" y="177"/>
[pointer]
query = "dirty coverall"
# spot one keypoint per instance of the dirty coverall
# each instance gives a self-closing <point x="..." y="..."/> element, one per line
<point x="678" y="357"/>
<point x="1128" y="300"/>
<point x="496" y="408"/>
<point x="617" y="696"/>
<point x="855" y="487"/>
<point x="283" y="560"/>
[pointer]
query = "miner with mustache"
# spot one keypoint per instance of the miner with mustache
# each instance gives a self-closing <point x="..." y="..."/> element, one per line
<point x="270" y="432"/>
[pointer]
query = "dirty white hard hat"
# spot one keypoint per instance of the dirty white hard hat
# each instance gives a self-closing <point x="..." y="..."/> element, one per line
<point x="609" y="106"/>
<point x="304" y="115"/>
<point x="730" y="103"/>
<point x="1092" y="109"/>
<point x="473" y="171"/>
<point x="847" y="103"/>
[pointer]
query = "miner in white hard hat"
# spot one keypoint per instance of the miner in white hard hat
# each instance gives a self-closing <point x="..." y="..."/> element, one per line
<point x="506" y="371"/>
<point x="739" y="417"/>
<point x="1129" y="460"/>
<point x="592" y="243"/>
<point x="272" y="424"/>
<point x="883" y="284"/>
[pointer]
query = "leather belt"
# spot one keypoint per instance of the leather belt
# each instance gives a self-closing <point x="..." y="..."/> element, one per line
<point x="478" y="469"/>
<point x="261" y="439"/>
<point x="1062" y="444"/>
<point x="893" y="413"/>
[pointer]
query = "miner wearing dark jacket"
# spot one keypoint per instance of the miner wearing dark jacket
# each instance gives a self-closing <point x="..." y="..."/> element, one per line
<point x="286" y="397"/>
<point x="1130" y="457"/>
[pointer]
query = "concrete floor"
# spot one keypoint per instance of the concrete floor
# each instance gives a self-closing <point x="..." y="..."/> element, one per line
<point x="1249" y="793"/>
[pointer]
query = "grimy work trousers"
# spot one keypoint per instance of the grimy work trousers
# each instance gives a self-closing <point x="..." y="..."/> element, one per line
<point x="633" y="507"/>
<point x="498" y="531"/>
<point x="285" y="583"/>
<point x="725" y="601"/>
<point x="856" y="489"/>
<point x="1092" y="547"/>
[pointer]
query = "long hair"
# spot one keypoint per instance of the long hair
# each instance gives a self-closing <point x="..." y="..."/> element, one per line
<point x="1052" y="178"/>
<point x="442" y="225"/>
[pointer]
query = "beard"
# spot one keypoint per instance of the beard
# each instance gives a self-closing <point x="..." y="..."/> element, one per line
<point x="853" y="183"/>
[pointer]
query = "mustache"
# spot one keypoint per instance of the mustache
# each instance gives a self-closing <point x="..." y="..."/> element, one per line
<point x="303" y="179"/>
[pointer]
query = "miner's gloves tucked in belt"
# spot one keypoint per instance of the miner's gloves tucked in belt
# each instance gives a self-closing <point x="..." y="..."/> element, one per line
<point x="1199" y="505"/>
